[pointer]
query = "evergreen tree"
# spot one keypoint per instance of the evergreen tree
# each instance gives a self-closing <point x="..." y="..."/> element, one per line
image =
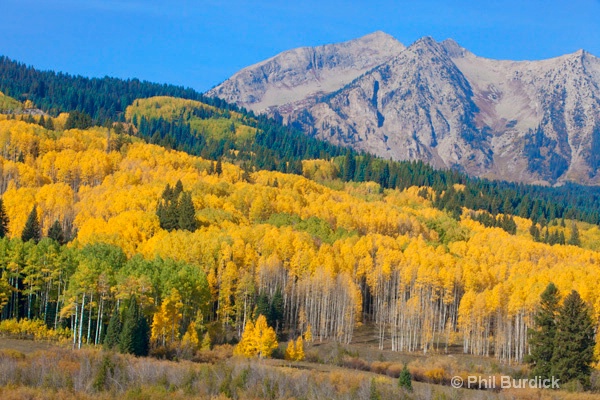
<point x="135" y="335"/>
<point x="177" y="190"/>
<point x="262" y="305"/>
<point x="56" y="233"/>
<point x="349" y="166"/>
<point x="574" y="341"/>
<point x="3" y="220"/>
<point x="167" y="210"/>
<point x="219" y="167"/>
<point x="78" y="120"/>
<point x="405" y="379"/>
<point x="542" y="338"/>
<point x="32" y="229"/>
<point x="574" y="239"/>
<point x="187" y="213"/>
<point x="276" y="310"/>
<point x="113" y="332"/>
<point x="49" y="124"/>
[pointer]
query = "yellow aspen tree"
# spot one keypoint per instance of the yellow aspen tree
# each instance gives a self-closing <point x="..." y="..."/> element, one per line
<point x="159" y="327"/>
<point x="165" y="323"/>
<point x="205" y="346"/>
<point x="299" y="353"/>
<point x="248" y="345"/>
<point x="308" y="337"/>
<point x="267" y="340"/>
<point x="290" y="351"/>
<point x="190" y="338"/>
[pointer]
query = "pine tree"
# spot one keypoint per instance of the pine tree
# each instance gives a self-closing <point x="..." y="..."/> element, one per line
<point x="3" y="220"/>
<point x="574" y="341"/>
<point x="187" y="213"/>
<point x="135" y="335"/>
<point x="177" y="190"/>
<point x="32" y="229"/>
<point x="49" y="124"/>
<point x="56" y="233"/>
<point x="542" y="339"/>
<point x="405" y="379"/>
<point x="219" y="167"/>
<point x="574" y="239"/>
<point x="113" y="332"/>
<point x="349" y="167"/>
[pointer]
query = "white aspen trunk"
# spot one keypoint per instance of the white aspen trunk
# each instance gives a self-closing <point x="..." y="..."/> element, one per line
<point x="81" y="321"/>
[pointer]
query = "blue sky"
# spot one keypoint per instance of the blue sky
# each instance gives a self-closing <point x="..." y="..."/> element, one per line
<point x="201" y="43"/>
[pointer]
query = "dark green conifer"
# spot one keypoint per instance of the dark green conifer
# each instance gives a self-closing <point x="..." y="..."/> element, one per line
<point x="187" y="213"/>
<point x="49" y="124"/>
<point x="405" y="379"/>
<point x="56" y="233"/>
<point x="32" y="229"/>
<point x="574" y="239"/>
<point x="3" y="220"/>
<point x="177" y="190"/>
<point x="542" y="337"/>
<point x="135" y="335"/>
<point x="349" y="167"/>
<point x="574" y="343"/>
<point x="113" y="332"/>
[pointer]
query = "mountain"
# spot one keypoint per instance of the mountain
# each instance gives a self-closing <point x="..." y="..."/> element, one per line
<point x="295" y="78"/>
<point x="526" y="121"/>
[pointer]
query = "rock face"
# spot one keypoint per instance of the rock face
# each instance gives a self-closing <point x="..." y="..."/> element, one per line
<point x="528" y="121"/>
<point x="302" y="74"/>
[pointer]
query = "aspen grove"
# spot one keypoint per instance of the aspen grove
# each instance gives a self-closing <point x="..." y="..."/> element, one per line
<point x="338" y="253"/>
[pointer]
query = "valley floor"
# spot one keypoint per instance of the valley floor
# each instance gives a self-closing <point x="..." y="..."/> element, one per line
<point x="42" y="370"/>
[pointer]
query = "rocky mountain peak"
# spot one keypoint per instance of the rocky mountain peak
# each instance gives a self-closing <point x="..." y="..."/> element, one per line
<point x="528" y="121"/>
<point x="302" y="74"/>
<point x="453" y="49"/>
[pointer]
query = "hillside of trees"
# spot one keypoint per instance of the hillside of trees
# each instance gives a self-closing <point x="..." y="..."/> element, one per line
<point x="278" y="148"/>
<point x="316" y="251"/>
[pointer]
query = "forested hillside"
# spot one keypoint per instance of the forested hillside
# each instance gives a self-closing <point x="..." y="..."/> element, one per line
<point x="277" y="147"/>
<point x="308" y="251"/>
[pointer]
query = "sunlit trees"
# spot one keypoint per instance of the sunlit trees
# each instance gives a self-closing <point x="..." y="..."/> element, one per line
<point x="258" y="339"/>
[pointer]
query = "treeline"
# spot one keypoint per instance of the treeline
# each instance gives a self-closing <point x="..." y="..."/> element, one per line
<point x="539" y="203"/>
<point x="101" y="98"/>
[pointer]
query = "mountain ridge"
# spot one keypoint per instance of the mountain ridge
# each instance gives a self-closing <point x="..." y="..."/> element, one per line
<point x="525" y="121"/>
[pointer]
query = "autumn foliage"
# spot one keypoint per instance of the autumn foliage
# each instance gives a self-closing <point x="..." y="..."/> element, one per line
<point x="338" y="254"/>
